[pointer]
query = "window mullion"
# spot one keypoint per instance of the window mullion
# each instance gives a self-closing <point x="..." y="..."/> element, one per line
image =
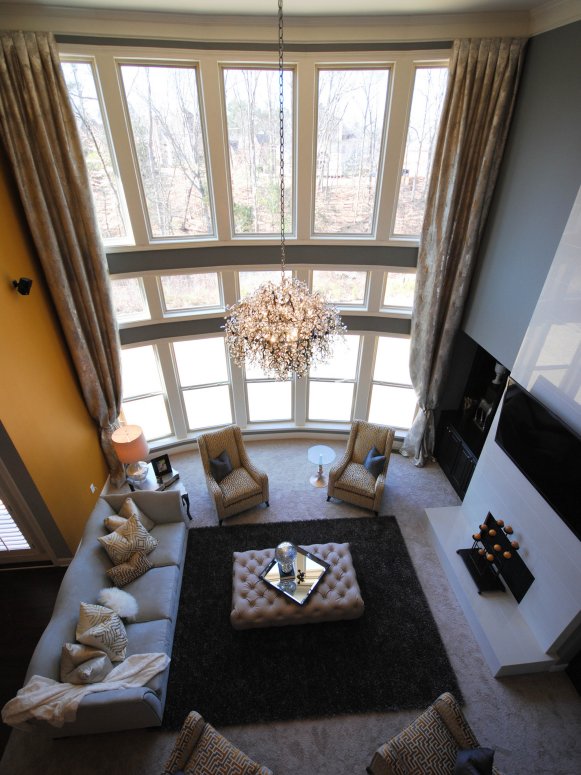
<point x="363" y="383"/>
<point x="400" y="100"/>
<point x="123" y="149"/>
<point x="214" y="114"/>
<point x="305" y="147"/>
<point x="375" y="290"/>
<point x="173" y="390"/>
<point x="153" y="296"/>
<point x="239" y="397"/>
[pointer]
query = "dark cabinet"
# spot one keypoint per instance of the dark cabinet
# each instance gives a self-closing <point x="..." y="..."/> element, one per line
<point x="456" y="460"/>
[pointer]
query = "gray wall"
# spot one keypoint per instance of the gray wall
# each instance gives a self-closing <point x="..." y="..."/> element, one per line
<point x="539" y="179"/>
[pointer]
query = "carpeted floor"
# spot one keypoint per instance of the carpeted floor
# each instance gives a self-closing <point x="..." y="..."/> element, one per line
<point x="312" y="670"/>
<point x="532" y="721"/>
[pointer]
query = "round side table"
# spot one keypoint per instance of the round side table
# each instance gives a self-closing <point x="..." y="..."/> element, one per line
<point x="320" y="455"/>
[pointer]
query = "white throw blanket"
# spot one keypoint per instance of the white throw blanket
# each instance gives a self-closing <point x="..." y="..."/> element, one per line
<point x="55" y="702"/>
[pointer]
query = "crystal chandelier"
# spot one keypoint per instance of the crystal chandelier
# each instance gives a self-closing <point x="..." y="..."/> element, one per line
<point x="282" y="328"/>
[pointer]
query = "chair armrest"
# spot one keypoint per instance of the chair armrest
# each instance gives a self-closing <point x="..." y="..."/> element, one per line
<point x="187" y="740"/>
<point x="379" y="488"/>
<point x="260" y="476"/>
<point x="338" y="467"/>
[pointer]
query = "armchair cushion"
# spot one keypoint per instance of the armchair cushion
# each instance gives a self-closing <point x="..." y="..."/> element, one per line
<point x="356" y="478"/>
<point x="237" y="486"/>
<point x="221" y="466"/>
<point x="374" y="462"/>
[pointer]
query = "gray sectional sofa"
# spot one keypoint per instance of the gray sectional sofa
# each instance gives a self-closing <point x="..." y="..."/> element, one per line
<point x="157" y="593"/>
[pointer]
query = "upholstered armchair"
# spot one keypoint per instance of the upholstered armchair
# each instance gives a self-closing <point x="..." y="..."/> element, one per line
<point x="430" y="744"/>
<point x="201" y="750"/>
<point x="235" y="487"/>
<point x="349" y="479"/>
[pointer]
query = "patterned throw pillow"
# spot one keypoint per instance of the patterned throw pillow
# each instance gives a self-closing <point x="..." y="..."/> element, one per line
<point x="83" y="664"/>
<point x="136" y="566"/>
<point x="102" y="628"/>
<point x="130" y="537"/>
<point x="129" y="508"/>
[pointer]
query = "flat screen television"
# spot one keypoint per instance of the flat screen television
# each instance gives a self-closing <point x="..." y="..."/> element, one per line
<point x="545" y="450"/>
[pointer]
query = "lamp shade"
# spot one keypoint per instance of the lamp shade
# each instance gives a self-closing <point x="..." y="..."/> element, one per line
<point x="129" y="443"/>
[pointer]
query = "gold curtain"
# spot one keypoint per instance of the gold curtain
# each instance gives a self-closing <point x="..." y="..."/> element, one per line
<point x="38" y="129"/>
<point x="482" y="85"/>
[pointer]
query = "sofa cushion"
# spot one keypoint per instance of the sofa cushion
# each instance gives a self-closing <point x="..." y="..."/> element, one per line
<point x="99" y="626"/>
<point x="130" y="537"/>
<point x="151" y="637"/>
<point x="136" y="565"/>
<point x="156" y="593"/>
<point x="171" y="540"/>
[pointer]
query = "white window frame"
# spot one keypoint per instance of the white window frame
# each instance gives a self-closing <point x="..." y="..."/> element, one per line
<point x="353" y="381"/>
<point x="404" y="312"/>
<point x="341" y="304"/>
<point x="190" y="311"/>
<point x="163" y="392"/>
<point x="387" y="384"/>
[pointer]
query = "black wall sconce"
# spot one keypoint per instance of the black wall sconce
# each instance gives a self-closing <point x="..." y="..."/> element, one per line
<point x="23" y="285"/>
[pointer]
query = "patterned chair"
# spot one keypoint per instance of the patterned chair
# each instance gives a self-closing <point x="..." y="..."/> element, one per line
<point x="429" y="745"/>
<point x="349" y="480"/>
<point x="201" y="750"/>
<point x="245" y="486"/>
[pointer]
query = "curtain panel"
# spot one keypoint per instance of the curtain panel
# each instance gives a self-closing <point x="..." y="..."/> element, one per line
<point x="39" y="133"/>
<point x="482" y="86"/>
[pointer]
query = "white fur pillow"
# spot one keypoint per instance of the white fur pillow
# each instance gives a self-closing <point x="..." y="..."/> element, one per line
<point x="124" y="604"/>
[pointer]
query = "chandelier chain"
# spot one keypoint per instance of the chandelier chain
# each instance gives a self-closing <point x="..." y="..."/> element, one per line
<point x="281" y="132"/>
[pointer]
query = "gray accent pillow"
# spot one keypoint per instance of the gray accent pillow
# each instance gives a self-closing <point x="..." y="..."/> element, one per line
<point x="374" y="462"/>
<point x="83" y="664"/>
<point x="221" y="466"/>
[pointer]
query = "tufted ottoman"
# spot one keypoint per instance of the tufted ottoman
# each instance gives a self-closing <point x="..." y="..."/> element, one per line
<point x="255" y="604"/>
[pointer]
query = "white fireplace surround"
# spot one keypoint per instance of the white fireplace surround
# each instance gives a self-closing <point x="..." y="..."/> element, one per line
<point x="542" y="632"/>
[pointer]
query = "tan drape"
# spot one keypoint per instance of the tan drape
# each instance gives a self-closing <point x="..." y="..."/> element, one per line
<point x="39" y="133"/>
<point x="482" y="85"/>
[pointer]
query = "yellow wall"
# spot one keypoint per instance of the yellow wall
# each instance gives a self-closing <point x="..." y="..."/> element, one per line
<point x="41" y="405"/>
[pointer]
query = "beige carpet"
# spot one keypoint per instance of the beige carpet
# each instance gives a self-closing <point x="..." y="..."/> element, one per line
<point x="533" y="722"/>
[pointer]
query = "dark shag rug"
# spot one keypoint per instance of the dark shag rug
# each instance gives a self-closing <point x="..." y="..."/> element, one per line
<point x="392" y="658"/>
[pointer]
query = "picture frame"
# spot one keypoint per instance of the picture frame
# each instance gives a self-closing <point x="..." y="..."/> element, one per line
<point x="161" y="466"/>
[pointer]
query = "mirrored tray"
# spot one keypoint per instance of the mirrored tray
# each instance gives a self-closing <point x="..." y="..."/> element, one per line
<point x="298" y="587"/>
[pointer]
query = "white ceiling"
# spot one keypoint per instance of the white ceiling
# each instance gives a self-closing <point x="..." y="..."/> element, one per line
<point x="294" y="7"/>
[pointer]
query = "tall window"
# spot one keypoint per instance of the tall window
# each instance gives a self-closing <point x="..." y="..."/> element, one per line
<point x="103" y="173"/>
<point x="268" y="400"/>
<point x="204" y="381"/>
<point x="129" y="299"/>
<point x="393" y="400"/>
<point x="332" y="385"/>
<point x="252" y="118"/>
<point x="164" y="111"/>
<point x="426" y="108"/>
<point x="249" y="281"/>
<point x="346" y="289"/>
<point x="399" y="290"/>
<point x="191" y="291"/>
<point x="350" y="128"/>
<point x="144" y="401"/>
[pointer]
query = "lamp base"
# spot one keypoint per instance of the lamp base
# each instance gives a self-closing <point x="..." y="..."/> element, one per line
<point x="137" y="472"/>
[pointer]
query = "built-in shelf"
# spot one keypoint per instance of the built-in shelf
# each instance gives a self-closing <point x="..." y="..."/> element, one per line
<point x="507" y="642"/>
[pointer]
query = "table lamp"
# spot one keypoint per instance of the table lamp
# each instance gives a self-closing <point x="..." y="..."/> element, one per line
<point x="131" y="447"/>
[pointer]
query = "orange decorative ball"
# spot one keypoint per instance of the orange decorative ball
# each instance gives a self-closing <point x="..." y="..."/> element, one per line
<point x="515" y="544"/>
<point x="492" y="532"/>
<point x="508" y="529"/>
<point x="500" y="522"/>
<point x="481" y="552"/>
<point x="490" y="557"/>
<point x="476" y="536"/>
<point x="507" y="555"/>
<point x="497" y="547"/>
<point x="483" y="527"/>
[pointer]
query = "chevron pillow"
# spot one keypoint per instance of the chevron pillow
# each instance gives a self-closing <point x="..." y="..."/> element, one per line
<point x="100" y="627"/>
